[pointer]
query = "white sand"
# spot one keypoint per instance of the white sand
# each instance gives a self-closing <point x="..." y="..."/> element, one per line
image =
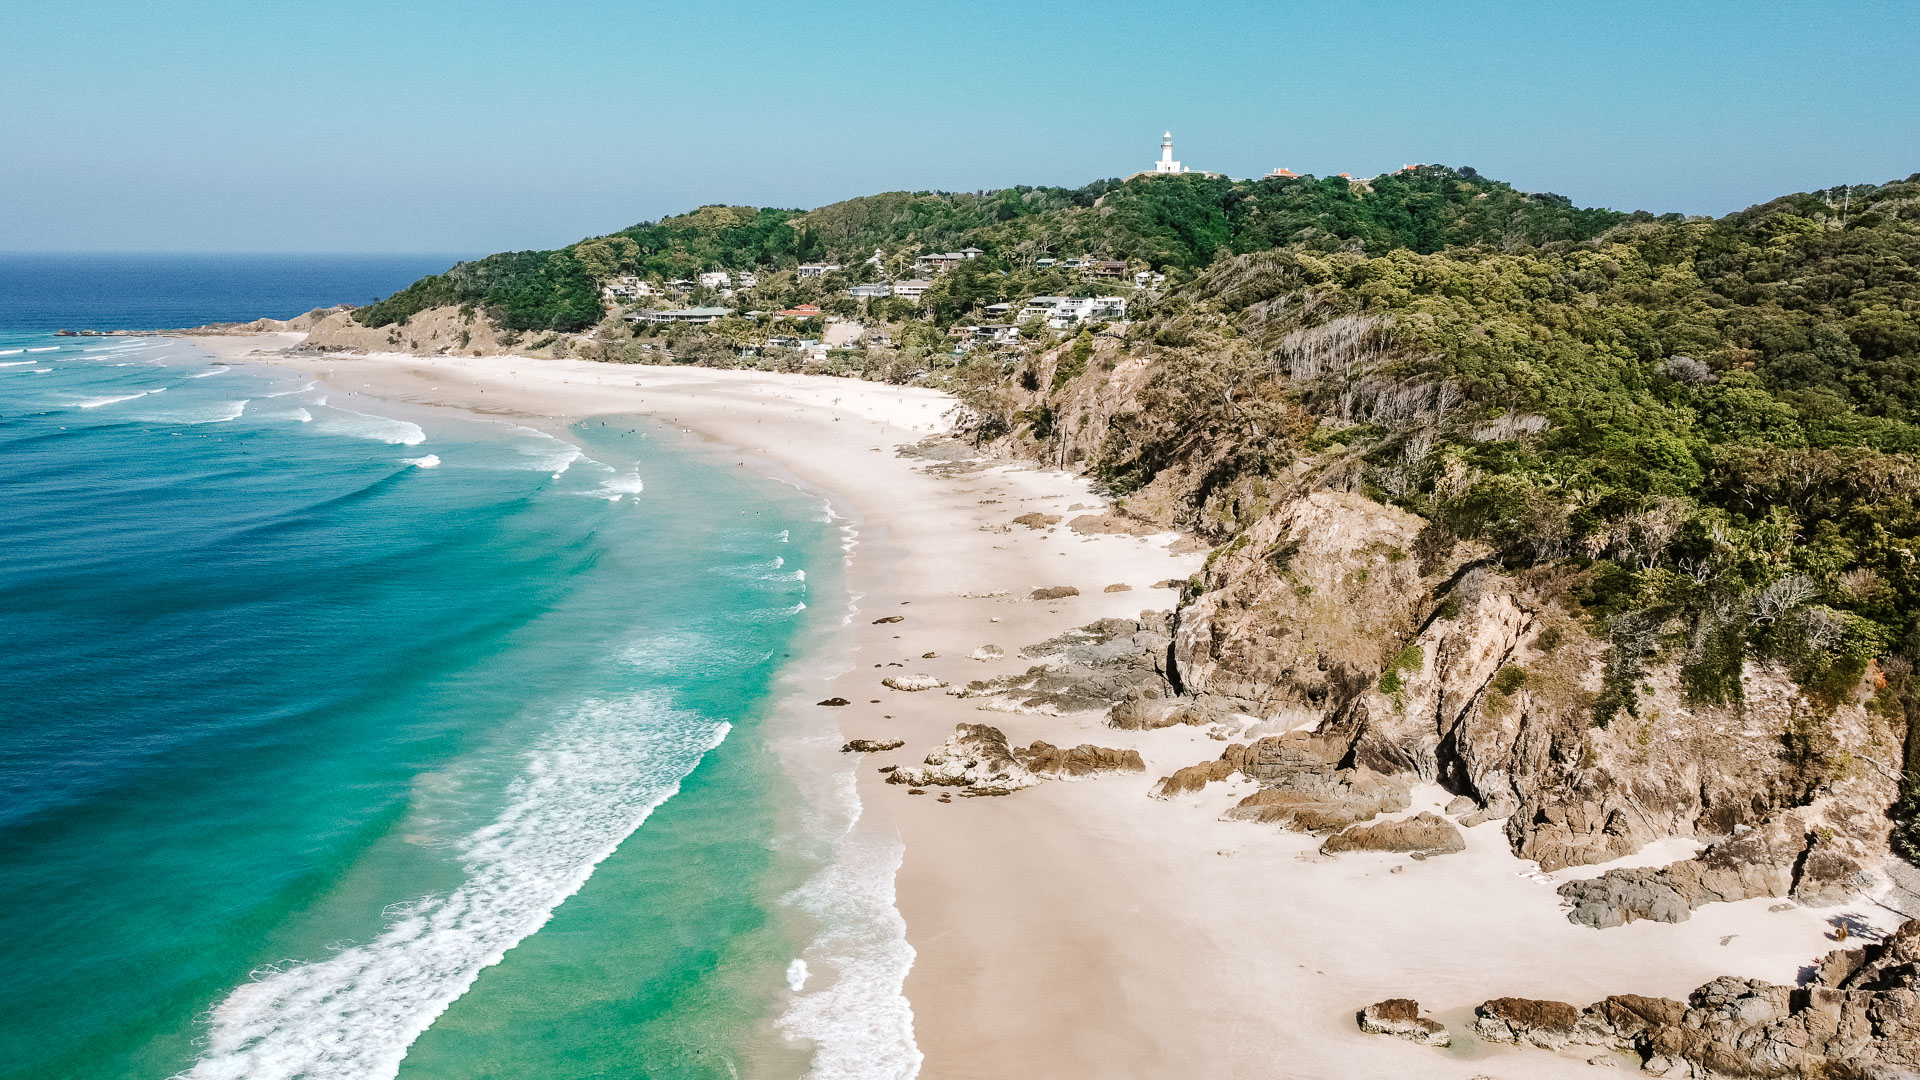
<point x="1083" y="929"/>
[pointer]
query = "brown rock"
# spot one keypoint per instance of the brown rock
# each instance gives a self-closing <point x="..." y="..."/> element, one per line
<point x="1401" y="1017"/>
<point x="1118" y="586"/>
<point x="1053" y="763"/>
<point x="889" y="619"/>
<point x="1037" y="520"/>
<point x="1055" y="592"/>
<point x="976" y="759"/>
<point x="870" y="746"/>
<point x="1428" y="834"/>
<point x="1546" y="1024"/>
<point x="835" y="701"/>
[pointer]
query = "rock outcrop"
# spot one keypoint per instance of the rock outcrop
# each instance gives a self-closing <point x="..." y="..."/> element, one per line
<point x="1302" y="785"/>
<point x="1401" y="1017"/>
<point x="1422" y="834"/>
<point x="1085" y="669"/>
<point x="1303" y="610"/>
<point x="1858" y="1018"/>
<point x="1389" y="659"/>
<point x="978" y="760"/>
<point x="1426" y="665"/>
<point x="1546" y="1024"/>
<point x="1054" y="763"/>
<point x="975" y="759"/>
<point x="1786" y="856"/>
<point x="871" y="746"/>
<point x="912" y="683"/>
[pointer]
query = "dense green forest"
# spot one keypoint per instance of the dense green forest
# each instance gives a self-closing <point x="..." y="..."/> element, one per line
<point x="1710" y="424"/>
<point x="1178" y="222"/>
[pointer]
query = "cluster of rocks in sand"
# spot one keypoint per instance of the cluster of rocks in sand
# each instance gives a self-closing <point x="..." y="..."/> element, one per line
<point x="977" y="760"/>
<point x="1857" y="1016"/>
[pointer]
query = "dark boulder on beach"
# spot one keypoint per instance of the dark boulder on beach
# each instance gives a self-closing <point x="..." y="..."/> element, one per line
<point x="870" y="746"/>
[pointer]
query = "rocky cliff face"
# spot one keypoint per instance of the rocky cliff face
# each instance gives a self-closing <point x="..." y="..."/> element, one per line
<point x="1321" y="622"/>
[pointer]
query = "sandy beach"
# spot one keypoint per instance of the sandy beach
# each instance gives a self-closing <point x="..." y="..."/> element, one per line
<point x="1083" y="928"/>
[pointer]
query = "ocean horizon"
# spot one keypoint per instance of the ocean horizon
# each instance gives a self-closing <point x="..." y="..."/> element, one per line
<point x="49" y="291"/>
<point x="353" y="739"/>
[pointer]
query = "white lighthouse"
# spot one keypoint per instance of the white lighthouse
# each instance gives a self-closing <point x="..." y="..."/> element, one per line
<point x="1166" y="164"/>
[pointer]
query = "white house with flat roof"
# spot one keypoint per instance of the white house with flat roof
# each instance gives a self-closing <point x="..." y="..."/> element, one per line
<point x="1061" y="312"/>
<point x="811" y="270"/>
<point x="698" y="316"/>
<point x="911" y="288"/>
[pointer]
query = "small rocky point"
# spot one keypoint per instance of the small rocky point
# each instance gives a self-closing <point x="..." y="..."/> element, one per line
<point x="1401" y="1017"/>
<point x="911" y="683"/>
<point x="978" y="760"/>
<point x="871" y="746"/>
<point x="1421" y="834"/>
<point x="1856" y="1017"/>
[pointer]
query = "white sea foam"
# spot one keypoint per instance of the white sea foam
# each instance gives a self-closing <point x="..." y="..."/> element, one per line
<point x="18" y="363"/>
<point x="211" y="412"/>
<point x="615" y="488"/>
<point x="859" y="1020"/>
<point x="782" y="538"/>
<point x="45" y="348"/>
<point x="298" y="390"/>
<point x="11" y="352"/>
<point x="361" y="425"/>
<point x="431" y="461"/>
<point x="209" y="371"/>
<point x="94" y="403"/>
<point x="551" y="455"/>
<point x="40" y="371"/>
<point x="585" y="787"/>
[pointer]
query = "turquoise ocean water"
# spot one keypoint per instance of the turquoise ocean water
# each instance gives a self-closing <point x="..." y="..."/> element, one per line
<point x="342" y="739"/>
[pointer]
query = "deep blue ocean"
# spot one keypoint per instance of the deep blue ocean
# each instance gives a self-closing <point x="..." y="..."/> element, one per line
<point x="346" y="739"/>
<point x="158" y="292"/>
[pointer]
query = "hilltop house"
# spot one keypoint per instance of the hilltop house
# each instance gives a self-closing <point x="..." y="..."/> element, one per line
<point x="871" y="292"/>
<point x="1113" y="268"/>
<point x="813" y="270"/>
<point x="911" y="288"/>
<point x="1061" y="312"/>
<point x="799" y="311"/>
<point x="941" y="262"/>
<point x="718" y="279"/>
<point x="698" y="316"/>
<point x="628" y="288"/>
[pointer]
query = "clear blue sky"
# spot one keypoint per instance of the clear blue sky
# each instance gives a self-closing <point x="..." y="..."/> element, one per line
<point x="482" y="125"/>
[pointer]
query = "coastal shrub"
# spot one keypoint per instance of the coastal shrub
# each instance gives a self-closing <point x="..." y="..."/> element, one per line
<point x="1407" y="661"/>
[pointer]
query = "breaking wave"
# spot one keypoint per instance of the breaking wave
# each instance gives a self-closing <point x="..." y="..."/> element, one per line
<point x="585" y="788"/>
<point x="361" y="425"/>
<point x="859" y="1022"/>
<point x="94" y="403"/>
